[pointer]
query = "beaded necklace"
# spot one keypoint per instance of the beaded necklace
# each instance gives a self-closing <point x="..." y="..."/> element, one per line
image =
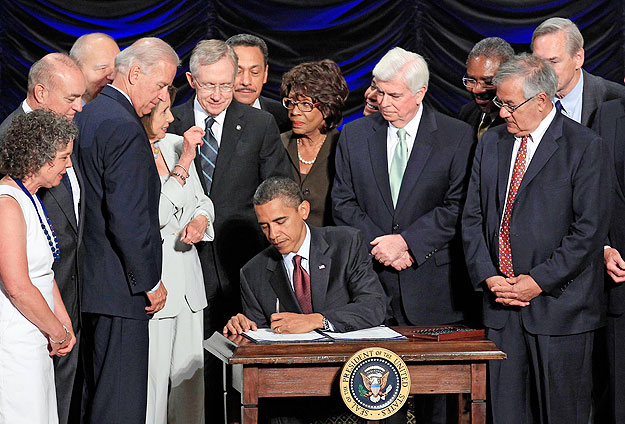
<point x="53" y="241"/>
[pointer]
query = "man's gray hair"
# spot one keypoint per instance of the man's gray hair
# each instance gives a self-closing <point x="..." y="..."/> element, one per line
<point x="538" y="75"/>
<point x="45" y="69"/>
<point x="278" y="187"/>
<point x="492" y="47"/>
<point x="146" y="52"/>
<point x="574" y="39"/>
<point x="208" y="52"/>
<point x="77" y="52"/>
<point x="411" y="66"/>
<point x="249" y="40"/>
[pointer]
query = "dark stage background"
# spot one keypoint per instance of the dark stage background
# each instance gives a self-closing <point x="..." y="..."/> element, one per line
<point x="354" y="33"/>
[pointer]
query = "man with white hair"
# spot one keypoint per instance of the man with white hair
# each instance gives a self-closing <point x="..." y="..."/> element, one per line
<point x="579" y="94"/>
<point x="401" y="178"/>
<point x="122" y="266"/>
<point x="95" y="55"/>
<point x="533" y="226"/>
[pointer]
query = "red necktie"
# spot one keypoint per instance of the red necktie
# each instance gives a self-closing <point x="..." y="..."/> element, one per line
<point x="301" y="285"/>
<point x="505" y="253"/>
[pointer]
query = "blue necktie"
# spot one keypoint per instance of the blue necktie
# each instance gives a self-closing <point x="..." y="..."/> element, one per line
<point x="68" y="184"/>
<point x="208" y="154"/>
<point x="559" y="105"/>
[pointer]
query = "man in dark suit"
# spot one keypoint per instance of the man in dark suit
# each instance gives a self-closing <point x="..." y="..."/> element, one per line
<point x="609" y="123"/>
<point x="343" y="291"/>
<point x="241" y="148"/>
<point x="401" y="179"/>
<point x="61" y="73"/>
<point x="534" y="224"/>
<point x="252" y="54"/>
<point x="558" y="41"/>
<point x="482" y="64"/>
<point x="122" y="267"/>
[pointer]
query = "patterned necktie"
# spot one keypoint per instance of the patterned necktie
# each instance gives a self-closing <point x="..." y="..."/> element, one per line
<point x="398" y="165"/>
<point x="301" y="285"/>
<point x="559" y="106"/>
<point x="208" y="153"/>
<point x="505" y="252"/>
<point x="485" y="123"/>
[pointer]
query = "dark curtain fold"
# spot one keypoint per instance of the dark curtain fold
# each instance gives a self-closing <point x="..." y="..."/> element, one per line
<point x="354" y="33"/>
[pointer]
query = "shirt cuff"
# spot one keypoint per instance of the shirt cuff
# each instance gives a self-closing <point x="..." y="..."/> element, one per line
<point x="155" y="288"/>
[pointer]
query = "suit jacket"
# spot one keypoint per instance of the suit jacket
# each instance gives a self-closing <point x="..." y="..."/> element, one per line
<point x="597" y="91"/>
<point x="428" y="208"/>
<point x="472" y="114"/>
<point x="609" y="123"/>
<point x="179" y="205"/>
<point x="250" y="152"/>
<point x="278" y="111"/>
<point x="557" y="229"/>
<point x="344" y="288"/>
<point x="7" y="121"/>
<point x="316" y="186"/>
<point x="121" y="195"/>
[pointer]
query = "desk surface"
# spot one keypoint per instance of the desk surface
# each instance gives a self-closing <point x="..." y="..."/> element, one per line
<point x="239" y="350"/>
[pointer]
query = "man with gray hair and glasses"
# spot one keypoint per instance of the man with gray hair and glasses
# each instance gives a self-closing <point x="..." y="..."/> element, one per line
<point x="484" y="60"/>
<point x="401" y="179"/>
<point x="241" y="148"/>
<point x="579" y="93"/>
<point x="122" y="265"/>
<point x="533" y="226"/>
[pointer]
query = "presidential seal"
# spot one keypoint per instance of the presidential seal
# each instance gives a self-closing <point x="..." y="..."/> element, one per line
<point x="375" y="383"/>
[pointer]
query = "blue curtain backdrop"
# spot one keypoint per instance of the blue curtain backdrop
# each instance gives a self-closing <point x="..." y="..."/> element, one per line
<point x="353" y="33"/>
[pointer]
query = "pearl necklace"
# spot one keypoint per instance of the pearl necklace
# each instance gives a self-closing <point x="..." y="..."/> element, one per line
<point x="308" y="162"/>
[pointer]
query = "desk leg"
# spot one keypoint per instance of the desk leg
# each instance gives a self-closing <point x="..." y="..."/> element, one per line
<point x="478" y="393"/>
<point x="249" y="397"/>
<point x="225" y="391"/>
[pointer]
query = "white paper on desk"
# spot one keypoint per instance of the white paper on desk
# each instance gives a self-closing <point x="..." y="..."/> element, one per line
<point x="267" y="335"/>
<point x="374" y="333"/>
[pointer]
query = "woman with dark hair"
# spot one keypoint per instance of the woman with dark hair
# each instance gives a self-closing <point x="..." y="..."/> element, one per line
<point x="314" y="93"/>
<point x="176" y="355"/>
<point x="34" y="324"/>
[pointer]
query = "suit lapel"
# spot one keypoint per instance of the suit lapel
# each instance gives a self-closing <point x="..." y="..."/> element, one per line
<point x="505" y="146"/>
<point x="590" y="102"/>
<point x="379" y="160"/>
<point x="418" y="157"/>
<point x="66" y="204"/>
<point x="320" y="265"/>
<point x="280" y="284"/>
<point x="544" y="151"/>
<point x="234" y="126"/>
<point x="619" y="150"/>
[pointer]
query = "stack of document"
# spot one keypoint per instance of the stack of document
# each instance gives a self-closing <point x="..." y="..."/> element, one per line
<point x="267" y="335"/>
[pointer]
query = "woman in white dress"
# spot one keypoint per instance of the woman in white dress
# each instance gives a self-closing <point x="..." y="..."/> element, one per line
<point x="34" y="324"/>
<point x="176" y="355"/>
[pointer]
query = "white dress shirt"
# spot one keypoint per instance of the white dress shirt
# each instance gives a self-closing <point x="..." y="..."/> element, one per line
<point x="392" y="139"/>
<point x="304" y="252"/>
<point x="256" y="103"/>
<point x="200" y="116"/>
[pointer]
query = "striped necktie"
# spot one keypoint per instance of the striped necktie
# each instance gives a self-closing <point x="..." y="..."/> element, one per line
<point x="208" y="154"/>
<point x="505" y="250"/>
<point x="398" y="165"/>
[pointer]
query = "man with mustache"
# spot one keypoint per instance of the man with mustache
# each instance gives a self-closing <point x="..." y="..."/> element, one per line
<point x="484" y="60"/>
<point x="252" y="74"/>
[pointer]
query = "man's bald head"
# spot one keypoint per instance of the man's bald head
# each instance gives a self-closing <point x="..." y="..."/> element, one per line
<point x="56" y="83"/>
<point x="95" y="54"/>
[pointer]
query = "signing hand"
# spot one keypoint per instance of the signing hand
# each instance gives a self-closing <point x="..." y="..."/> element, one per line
<point x="157" y="299"/>
<point x="192" y="139"/>
<point x="614" y="264"/>
<point x="403" y="262"/>
<point x="290" y="323"/>
<point x="238" y="324"/>
<point x="388" y="248"/>
<point x="194" y="231"/>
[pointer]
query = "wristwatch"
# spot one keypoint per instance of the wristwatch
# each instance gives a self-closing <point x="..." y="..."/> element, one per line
<point x="326" y="324"/>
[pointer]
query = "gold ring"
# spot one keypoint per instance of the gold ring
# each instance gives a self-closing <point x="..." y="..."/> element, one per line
<point x="278" y="330"/>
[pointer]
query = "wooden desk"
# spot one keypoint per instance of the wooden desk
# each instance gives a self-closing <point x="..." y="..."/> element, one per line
<point x="282" y="370"/>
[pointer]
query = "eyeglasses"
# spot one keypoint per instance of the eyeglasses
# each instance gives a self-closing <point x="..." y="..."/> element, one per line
<point x="472" y="83"/>
<point x="509" y="108"/>
<point x="210" y="88"/>
<point x="304" y="106"/>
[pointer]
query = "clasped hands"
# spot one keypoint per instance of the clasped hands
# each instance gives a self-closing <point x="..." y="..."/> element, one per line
<point x="514" y="291"/>
<point x="392" y="250"/>
<point x="281" y="322"/>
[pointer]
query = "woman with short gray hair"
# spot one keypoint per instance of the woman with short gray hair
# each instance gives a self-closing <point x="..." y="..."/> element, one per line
<point x="34" y="324"/>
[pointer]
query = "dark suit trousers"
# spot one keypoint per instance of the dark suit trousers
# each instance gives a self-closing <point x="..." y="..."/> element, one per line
<point x="545" y="379"/>
<point x="116" y="369"/>
<point x="68" y="384"/>
<point x="610" y="372"/>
